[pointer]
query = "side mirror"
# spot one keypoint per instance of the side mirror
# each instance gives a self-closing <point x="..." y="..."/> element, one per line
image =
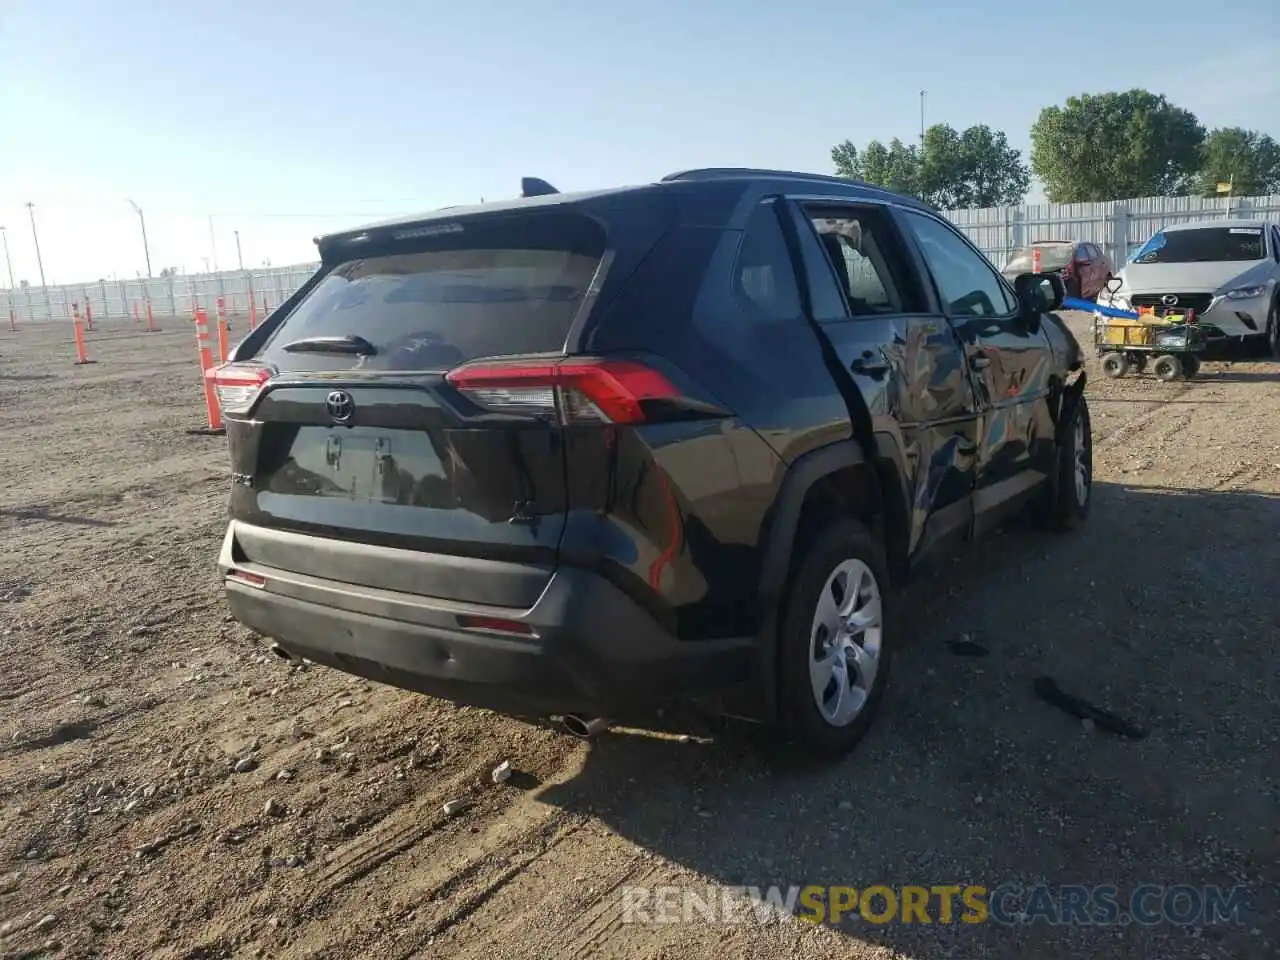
<point x="1038" y="293"/>
<point x="1113" y="285"/>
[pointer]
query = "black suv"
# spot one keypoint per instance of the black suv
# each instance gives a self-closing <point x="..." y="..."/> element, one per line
<point x="576" y="455"/>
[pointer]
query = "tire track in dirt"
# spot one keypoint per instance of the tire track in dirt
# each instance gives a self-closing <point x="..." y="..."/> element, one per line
<point x="447" y="867"/>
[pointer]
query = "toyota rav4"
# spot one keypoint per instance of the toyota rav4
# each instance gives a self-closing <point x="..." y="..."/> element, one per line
<point x="576" y="456"/>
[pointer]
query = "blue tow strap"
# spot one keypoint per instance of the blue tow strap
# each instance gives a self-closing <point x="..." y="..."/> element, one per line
<point x="1075" y="303"/>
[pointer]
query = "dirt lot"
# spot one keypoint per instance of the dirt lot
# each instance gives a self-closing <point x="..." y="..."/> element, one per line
<point x="127" y="696"/>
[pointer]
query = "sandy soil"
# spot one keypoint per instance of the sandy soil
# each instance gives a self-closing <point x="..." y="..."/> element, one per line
<point x="130" y="828"/>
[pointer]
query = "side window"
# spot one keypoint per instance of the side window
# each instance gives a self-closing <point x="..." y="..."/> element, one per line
<point x="1275" y="243"/>
<point x="827" y="302"/>
<point x="764" y="281"/>
<point x="967" y="284"/>
<point x="861" y="247"/>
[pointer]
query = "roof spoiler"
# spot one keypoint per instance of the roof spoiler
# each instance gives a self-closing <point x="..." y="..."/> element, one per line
<point x="534" y="187"/>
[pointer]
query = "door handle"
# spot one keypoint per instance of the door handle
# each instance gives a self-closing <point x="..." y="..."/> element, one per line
<point x="868" y="364"/>
<point x="979" y="362"/>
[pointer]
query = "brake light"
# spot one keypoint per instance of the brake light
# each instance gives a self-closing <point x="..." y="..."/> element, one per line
<point x="575" y="390"/>
<point x="238" y="384"/>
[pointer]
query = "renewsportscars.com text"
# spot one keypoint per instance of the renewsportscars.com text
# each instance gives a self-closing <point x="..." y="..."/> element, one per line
<point x="1007" y="904"/>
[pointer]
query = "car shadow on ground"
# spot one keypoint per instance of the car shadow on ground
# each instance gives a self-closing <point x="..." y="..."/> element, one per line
<point x="1241" y="376"/>
<point x="1163" y="609"/>
<point x="42" y="513"/>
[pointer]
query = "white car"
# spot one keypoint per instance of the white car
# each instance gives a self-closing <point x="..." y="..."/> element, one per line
<point x="1228" y="271"/>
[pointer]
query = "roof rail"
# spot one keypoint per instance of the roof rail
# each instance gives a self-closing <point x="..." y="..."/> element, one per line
<point x="717" y="173"/>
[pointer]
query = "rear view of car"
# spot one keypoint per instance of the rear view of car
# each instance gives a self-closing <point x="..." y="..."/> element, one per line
<point x="412" y="443"/>
<point x="1084" y="267"/>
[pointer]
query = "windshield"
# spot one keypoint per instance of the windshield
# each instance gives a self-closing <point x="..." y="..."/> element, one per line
<point x="1203" y="245"/>
<point x="1053" y="256"/>
<point x="493" y="289"/>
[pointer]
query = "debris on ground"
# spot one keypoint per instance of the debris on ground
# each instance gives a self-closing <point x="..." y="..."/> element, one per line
<point x="1047" y="689"/>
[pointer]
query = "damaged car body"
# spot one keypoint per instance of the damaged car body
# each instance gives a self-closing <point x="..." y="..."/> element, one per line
<point x="583" y="455"/>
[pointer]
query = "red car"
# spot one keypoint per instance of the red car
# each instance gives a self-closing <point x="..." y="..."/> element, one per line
<point x="1085" y="269"/>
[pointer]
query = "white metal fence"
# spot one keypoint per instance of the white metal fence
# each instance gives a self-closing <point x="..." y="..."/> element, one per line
<point x="169" y="296"/>
<point x="1119" y="227"/>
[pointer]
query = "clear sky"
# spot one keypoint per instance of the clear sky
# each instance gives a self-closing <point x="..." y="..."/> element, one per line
<point x="286" y="118"/>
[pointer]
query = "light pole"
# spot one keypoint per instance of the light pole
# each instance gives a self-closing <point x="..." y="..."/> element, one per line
<point x="146" y="250"/>
<point x="239" y="257"/>
<point x="31" y="210"/>
<point x="13" y="320"/>
<point x="7" y="262"/>
<point x="213" y="244"/>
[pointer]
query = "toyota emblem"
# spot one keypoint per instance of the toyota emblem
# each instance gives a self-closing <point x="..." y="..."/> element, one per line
<point x="1169" y="300"/>
<point x="340" y="405"/>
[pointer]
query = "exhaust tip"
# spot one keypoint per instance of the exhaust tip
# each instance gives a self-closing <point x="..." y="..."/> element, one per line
<point x="584" y="728"/>
<point x="281" y="652"/>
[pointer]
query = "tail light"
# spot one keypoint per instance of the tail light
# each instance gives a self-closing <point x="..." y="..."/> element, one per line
<point x="574" y="390"/>
<point x="238" y="385"/>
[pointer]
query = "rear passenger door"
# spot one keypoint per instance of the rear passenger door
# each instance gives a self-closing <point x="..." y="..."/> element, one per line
<point x="1011" y="361"/>
<point x="867" y="296"/>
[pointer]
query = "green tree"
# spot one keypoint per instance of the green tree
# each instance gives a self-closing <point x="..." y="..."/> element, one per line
<point x="895" y="167"/>
<point x="1249" y="160"/>
<point x="1112" y="146"/>
<point x="973" y="168"/>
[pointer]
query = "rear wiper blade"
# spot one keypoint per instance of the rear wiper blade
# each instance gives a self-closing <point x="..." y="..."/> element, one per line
<point x="350" y="344"/>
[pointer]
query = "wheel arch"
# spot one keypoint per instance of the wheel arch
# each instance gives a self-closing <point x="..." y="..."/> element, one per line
<point x="835" y="480"/>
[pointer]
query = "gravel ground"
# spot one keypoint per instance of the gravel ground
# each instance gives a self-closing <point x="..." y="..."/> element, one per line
<point x="168" y="789"/>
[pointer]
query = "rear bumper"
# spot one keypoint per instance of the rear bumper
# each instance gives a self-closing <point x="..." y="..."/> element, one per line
<point x="593" y="650"/>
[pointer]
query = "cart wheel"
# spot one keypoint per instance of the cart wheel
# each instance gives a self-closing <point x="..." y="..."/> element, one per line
<point x="1115" y="365"/>
<point x="1167" y="368"/>
<point x="1190" y="365"/>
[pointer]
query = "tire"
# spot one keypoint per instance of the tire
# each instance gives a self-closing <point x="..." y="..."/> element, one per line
<point x="1273" y="329"/>
<point x="1190" y="365"/>
<point x="813" y="632"/>
<point x="1167" y="367"/>
<point x="1139" y="363"/>
<point x="1115" y="365"/>
<point x="1066" y="503"/>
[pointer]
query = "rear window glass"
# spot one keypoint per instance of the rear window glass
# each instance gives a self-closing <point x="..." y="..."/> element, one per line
<point x="500" y="288"/>
<point x="1052" y="257"/>
<point x="1203" y="245"/>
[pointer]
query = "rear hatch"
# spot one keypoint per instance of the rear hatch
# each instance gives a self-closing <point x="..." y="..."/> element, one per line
<point x="344" y="423"/>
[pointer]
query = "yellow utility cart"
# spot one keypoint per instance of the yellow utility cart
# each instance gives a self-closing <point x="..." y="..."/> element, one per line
<point x="1173" y="339"/>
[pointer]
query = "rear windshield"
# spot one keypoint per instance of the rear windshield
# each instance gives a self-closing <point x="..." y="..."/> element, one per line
<point x="1203" y="245"/>
<point x="477" y="289"/>
<point x="1053" y="256"/>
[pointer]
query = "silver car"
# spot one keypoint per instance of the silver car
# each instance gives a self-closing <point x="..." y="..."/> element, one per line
<point x="1228" y="271"/>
